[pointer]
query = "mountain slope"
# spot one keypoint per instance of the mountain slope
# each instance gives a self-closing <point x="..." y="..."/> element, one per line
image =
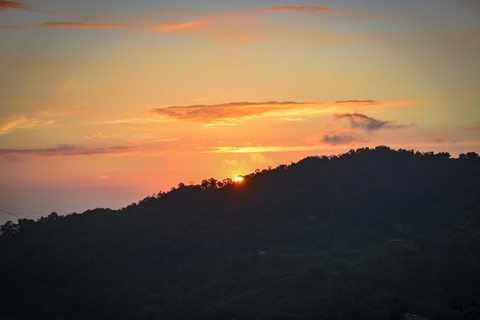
<point x="373" y="233"/>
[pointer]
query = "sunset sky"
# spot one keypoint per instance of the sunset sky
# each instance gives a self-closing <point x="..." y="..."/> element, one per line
<point x="105" y="102"/>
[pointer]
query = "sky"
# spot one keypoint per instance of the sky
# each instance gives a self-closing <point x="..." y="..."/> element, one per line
<point x="103" y="102"/>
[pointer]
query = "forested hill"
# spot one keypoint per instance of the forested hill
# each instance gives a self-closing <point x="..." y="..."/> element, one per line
<point x="370" y="234"/>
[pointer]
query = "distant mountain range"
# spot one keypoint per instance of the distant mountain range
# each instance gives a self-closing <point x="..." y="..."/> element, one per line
<point x="370" y="234"/>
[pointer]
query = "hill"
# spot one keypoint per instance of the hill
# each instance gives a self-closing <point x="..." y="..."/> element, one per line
<point x="370" y="234"/>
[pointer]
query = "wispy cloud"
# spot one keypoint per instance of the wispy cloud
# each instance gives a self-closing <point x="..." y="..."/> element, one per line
<point x="136" y="120"/>
<point x="258" y="158"/>
<point x="230" y="113"/>
<point x="5" y="4"/>
<point x="363" y="122"/>
<point x="225" y="19"/>
<point x="376" y="104"/>
<point x="69" y="150"/>
<point x="180" y="26"/>
<point x="20" y="122"/>
<point x="100" y="136"/>
<point x="205" y="19"/>
<point x="78" y="25"/>
<point x="235" y="162"/>
<point x="358" y="102"/>
<point x="259" y="149"/>
<point x="12" y="27"/>
<point x="225" y="111"/>
<point x="292" y="9"/>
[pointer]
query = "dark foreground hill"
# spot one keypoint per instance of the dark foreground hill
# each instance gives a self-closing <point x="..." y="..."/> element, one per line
<point x="371" y="234"/>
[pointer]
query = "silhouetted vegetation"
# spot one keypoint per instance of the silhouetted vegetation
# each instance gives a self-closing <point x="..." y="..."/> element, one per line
<point x="370" y="234"/>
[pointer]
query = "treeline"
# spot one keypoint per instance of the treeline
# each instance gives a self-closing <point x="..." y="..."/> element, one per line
<point x="370" y="234"/>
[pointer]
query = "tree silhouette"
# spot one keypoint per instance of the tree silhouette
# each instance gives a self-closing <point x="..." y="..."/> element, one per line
<point x="370" y="234"/>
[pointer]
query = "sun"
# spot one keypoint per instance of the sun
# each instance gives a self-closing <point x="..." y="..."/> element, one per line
<point x="238" y="179"/>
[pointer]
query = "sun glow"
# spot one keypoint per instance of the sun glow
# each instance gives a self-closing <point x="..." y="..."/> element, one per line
<point x="238" y="179"/>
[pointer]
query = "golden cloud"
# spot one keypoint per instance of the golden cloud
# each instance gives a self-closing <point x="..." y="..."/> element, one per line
<point x="228" y="113"/>
<point x="180" y="26"/>
<point x="233" y="111"/>
<point x="259" y="149"/>
<point x="15" y="123"/>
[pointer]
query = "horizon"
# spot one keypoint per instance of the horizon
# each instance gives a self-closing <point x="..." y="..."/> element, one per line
<point x="238" y="179"/>
<point x="105" y="103"/>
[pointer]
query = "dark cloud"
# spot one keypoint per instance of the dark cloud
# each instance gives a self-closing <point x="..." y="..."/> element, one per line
<point x="363" y="122"/>
<point x="5" y="4"/>
<point x="342" y="138"/>
<point x="66" y="150"/>
<point x="359" y="123"/>
<point x="225" y="111"/>
<point x="472" y="128"/>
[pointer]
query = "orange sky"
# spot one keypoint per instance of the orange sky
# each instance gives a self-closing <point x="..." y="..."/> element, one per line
<point x="103" y="103"/>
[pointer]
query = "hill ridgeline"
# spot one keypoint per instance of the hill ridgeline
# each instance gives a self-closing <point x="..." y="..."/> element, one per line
<point x="370" y="234"/>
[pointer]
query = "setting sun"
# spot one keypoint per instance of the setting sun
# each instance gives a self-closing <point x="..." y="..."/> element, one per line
<point x="238" y="179"/>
